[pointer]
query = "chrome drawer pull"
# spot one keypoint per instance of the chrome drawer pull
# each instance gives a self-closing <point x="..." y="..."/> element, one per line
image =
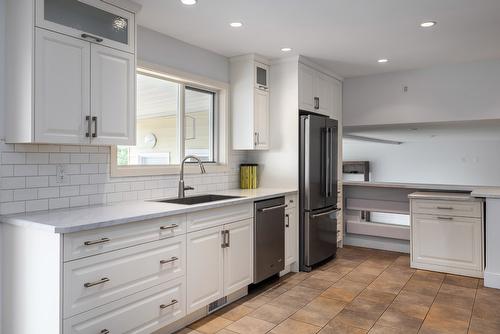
<point x="169" y="227"/>
<point x="172" y="259"/>
<point x="95" y="242"/>
<point x="445" y="208"/>
<point x="104" y="331"/>
<point x="173" y="302"/>
<point x="95" y="38"/>
<point x="101" y="281"/>
<point x="445" y="218"/>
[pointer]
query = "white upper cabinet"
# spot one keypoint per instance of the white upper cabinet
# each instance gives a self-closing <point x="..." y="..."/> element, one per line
<point x="92" y="20"/>
<point x="80" y="88"/>
<point x="250" y="103"/>
<point x="319" y="92"/>
<point x="62" y="88"/>
<point x="113" y="96"/>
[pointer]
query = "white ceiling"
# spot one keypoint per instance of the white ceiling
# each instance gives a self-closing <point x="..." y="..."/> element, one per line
<point x="348" y="36"/>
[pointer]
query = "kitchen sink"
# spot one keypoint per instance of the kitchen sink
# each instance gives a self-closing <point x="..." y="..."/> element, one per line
<point x="196" y="199"/>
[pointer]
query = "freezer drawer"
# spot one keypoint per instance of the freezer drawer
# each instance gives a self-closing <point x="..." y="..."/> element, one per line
<point x="320" y="235"/>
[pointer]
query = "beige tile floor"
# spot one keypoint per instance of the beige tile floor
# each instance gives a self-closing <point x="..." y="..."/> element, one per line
<point x="361" y="291"/>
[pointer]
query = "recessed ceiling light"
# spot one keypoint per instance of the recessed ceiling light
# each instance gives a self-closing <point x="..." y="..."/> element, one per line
<point x="236" y="24"/>
<point x="189" y="2"/>
<point x="428" y="24"/>
<point x="286" y="49"/>
<point x="383" y="60"/>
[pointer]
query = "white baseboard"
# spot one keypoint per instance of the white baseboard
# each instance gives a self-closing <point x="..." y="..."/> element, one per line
<point x="491" y="280"/>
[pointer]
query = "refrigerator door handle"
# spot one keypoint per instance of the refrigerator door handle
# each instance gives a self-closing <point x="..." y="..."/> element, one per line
<point x="332" y="165"/>
<point x="327" y="163"/>
<point x="313" y="216"/>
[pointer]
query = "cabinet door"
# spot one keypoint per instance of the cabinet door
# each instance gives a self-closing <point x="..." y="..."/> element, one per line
<point x="93" y="20"/>
<point x="450" y="244"/>
<point x="112" y="96"/>
<point x="62" y="88"/>
<point x="324" y="87"/>
<point x="291" y="236"/>
<point x="337" y="100"/>
<point x="261" y="119"/>
<point x="238" y="256"/>
<point x="205" y="277"/>
<point x="261" y="76"/>
<point x="306" y="88"/>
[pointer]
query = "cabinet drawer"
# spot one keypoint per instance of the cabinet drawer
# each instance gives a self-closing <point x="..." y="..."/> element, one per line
<point x="93" y="242"/>
<point x="447" y="208"/>
<point x="291" y="201"/>
<point x="97" y="280"/>
<point x="141" y="313"/>
<point x="214" y="217"/>
<point x="447" y="243"/>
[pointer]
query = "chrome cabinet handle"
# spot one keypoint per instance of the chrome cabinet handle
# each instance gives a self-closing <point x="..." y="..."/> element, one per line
<point x="257" y="138"/>
<point x="445" y="218"/>
<point x="273" y="208"/>
<point x="287" y="224"/>
<point x="173" y="302"/>
<point x="101" y="281"/>
<point x="223" y="234"/>
<point x="325" y="213"/>
<point x="104" y="331"/>
<point x="95" y="38"/>
<point x="172" y="259"/>
<point x="263" y="87"/>
<point x="228" y="243"/>
<point x="95" y="242"/>
<point x="445" y="208"/>
<point x="94" y="120"/>
<point x="169" y="227"/>
<point x="89" y="126"/>
<point x="316" y="102"/>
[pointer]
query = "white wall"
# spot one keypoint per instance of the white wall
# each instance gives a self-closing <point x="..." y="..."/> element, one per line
<point x="2" y="112"/>
<point x="160" y="49"/>
<point x="443" y="93"/>
<point x="442" y="162"/>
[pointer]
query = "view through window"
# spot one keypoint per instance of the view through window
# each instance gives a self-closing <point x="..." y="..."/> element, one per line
<point x="162" y="139"/>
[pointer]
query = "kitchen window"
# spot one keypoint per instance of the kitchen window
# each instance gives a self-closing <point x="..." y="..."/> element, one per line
<point x="176" y="117"/>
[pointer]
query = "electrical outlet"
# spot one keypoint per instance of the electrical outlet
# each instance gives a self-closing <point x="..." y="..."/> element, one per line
<point x="60" y="174"/>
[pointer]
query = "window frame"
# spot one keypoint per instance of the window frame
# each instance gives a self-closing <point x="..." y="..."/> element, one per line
<point x="220" y="127"/>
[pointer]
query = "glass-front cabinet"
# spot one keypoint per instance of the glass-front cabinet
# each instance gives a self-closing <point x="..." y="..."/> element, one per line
<point x="91" y="20"/>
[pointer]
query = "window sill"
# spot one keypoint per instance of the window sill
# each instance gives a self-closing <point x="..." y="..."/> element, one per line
<point x="124" y="171"/>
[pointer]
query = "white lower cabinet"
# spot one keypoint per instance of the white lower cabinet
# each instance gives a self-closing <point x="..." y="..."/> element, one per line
<point x="220" y="262"/>
<point x="238" y="256"/>
<point x="291" y="236"/>
<point x="141" y="313"/>
<point x="97" y="280"/>
<point x="447" y="234"/>
<point x="205" y="279"/>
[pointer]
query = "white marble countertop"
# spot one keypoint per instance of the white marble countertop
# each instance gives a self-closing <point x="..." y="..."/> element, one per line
<point x="87" y="218"/>
<point x="444" y="196"/>
<point x="488" y="192"/>
<point x="448" y="187"/>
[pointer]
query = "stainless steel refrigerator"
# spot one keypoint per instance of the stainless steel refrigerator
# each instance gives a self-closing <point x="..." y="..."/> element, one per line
<point x="318" y="189"/>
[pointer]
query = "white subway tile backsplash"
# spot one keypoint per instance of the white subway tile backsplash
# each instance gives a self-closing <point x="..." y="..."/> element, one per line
<point x="13" y="182"/>
<point x="79" y="158"/>
<point x="52" y="192"/>
<point x="37" y="181"/>
<point x="38" y="205"/>
<point x="6" y="170"/>
<point x="58" y="203"/>
<point x="59" y="158"/>
<point x="25" y="194"/>
<point x="37" y="158"/>
<point x="90" y="169"/>
<point x="25" y="170"/>
<point x="28" y="179"/>
<point x="13" y="158"/>
<point x="78" y="201"/>
<point x="69" y="191"/>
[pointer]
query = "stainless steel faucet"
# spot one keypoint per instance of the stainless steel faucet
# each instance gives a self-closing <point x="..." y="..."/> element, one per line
<point x="182" y="187"/>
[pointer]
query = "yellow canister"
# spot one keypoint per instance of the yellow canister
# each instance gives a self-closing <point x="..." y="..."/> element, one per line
<point x="248" y="176"/>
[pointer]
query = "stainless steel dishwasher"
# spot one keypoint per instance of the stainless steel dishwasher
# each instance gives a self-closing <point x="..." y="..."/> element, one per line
<point x="269" y="238"/>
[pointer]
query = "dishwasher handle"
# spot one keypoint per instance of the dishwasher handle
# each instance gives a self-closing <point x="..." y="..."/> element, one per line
<point x="282" y="206"/>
